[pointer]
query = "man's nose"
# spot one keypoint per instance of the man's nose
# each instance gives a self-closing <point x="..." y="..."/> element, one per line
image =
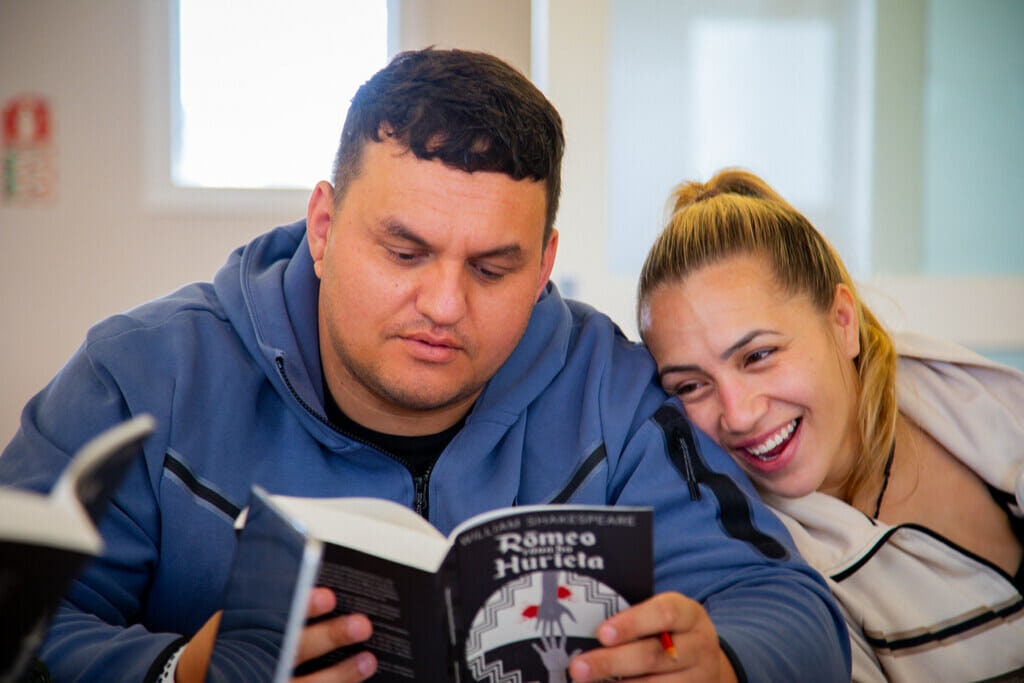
<point x="442" y="293"/>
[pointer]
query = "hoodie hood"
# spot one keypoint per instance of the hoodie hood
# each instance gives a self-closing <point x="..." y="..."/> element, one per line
<point x="269" y="292"/>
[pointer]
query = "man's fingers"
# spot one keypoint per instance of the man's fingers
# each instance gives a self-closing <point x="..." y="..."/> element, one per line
<point x="330" y="634"/>
<point x="633" y="646"/>
<point x="631" y="659"/>
<point x="665" y="612"/>
<point x="356" y="668"/>
<point x="325" y="636"/>
<point x="695" y="657"/>
<point x="321" y="601"/>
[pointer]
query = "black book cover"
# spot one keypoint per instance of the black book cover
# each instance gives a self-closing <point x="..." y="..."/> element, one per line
<point x="511" y="595"/>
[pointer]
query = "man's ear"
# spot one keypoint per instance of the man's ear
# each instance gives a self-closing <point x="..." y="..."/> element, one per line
<point x="846" y="321"/>
<point x="319" y="216"/>
<point x="547" y="262"/>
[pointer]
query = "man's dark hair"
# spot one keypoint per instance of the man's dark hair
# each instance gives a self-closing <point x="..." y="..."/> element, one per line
<point x="469" y="110"/>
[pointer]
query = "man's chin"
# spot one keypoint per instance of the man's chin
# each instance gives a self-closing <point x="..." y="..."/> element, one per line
<point x="423" y="397"/>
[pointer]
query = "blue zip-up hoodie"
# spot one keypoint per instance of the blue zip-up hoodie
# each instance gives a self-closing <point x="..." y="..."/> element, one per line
<point x="231" y="371"/>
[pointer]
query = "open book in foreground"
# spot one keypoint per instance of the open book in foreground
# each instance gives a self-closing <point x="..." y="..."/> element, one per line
<point x="46" y="539"/>
<point x="510" y="595"/>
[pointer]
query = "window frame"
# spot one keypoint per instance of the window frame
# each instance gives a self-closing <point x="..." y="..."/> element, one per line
<point x="160" y="86"/>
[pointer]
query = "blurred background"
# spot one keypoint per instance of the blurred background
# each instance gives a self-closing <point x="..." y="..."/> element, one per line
<point x="143" y="140"/>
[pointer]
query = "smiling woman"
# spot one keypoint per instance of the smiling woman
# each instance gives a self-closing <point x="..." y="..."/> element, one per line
<point x="893" y="461"/>
<point x="758" y="369"/>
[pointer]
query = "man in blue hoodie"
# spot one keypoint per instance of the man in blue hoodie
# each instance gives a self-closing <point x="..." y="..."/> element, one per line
<point x="404" y="342"/>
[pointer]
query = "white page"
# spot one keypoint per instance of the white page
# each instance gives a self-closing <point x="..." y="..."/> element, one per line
<point x="34" y="518"/>
<point x="371" y="525"/>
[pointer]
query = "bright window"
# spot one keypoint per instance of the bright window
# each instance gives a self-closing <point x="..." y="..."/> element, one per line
<point x="780" y="88"/>
<point x="262" y="87"/>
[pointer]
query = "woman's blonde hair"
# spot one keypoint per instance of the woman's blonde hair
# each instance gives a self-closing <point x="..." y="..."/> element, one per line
<point x="737" y="213"/>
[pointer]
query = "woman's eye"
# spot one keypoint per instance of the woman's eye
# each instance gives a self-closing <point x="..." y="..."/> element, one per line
<point x="685" y="389"/>
<point x="756" y="356"/>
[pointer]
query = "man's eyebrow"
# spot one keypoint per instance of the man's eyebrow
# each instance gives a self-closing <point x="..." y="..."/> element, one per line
<point x="512" y="252"/>
<point x="398" y="230"/>
<point x="393" y="228"/>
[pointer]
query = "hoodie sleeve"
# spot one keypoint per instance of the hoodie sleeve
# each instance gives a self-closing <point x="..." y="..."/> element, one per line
<point x="90" y="635"/>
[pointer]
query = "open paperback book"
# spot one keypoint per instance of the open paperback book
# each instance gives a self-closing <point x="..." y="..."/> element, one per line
<point x="46" y="539"/>
<point x="510" y="595"/>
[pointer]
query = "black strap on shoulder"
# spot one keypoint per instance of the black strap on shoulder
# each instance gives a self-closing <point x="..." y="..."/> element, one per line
<point x="198" y="488"/>
<point x="736" y="515"/>
<point x="598" y="456"/>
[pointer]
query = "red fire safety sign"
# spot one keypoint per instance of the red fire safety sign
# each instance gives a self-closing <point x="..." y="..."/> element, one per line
<point x="29" y="173"/>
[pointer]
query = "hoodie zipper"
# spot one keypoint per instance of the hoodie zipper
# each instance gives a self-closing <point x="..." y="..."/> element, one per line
<point x="421" y="484"/>
<point x="419" y="496"/>
<point x="681" y="446"/>
<point x="688" y="471"/>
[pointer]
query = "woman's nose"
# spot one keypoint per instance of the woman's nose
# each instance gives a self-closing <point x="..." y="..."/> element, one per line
<point x="741" y="407"/>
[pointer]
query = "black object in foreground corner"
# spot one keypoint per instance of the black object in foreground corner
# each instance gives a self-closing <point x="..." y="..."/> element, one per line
<point x="46" y="539"/>
<point x="519" y="589"/>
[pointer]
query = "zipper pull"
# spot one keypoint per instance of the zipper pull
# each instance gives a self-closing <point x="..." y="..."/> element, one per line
<point x="419" y="496"/>
<point x="691" y="475"/>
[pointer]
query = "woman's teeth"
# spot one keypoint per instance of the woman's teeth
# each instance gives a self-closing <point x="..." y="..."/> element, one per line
<point x="773" y="442"/>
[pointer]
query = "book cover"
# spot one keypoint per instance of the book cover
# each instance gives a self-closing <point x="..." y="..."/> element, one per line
<point x="509" y="595"/>
<point x="45" y="539"/>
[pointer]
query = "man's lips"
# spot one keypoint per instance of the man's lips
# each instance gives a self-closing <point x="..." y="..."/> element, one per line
<point x="435" y="340"/>
<point x="433" y="348"/>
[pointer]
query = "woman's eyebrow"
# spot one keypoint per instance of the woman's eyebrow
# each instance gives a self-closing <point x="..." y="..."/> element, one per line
<point x="740" y="343"/>
<point x="676" y="368"/>
<point x="743" y="341"/>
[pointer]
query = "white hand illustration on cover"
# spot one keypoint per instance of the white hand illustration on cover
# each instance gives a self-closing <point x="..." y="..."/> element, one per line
<point x="553" y="610"/>
<point x="555" y="657"/>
